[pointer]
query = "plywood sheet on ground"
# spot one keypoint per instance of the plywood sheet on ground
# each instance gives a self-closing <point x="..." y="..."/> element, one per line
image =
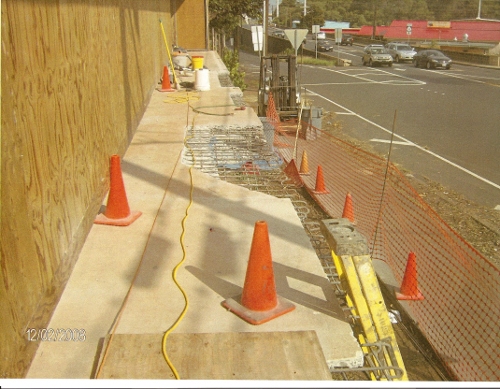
<point x="294" y="355"/>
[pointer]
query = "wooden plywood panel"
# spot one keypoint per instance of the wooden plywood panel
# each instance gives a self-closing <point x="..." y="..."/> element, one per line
<point x="190" y="24"/>
<point x="76" y="78"/>
<point x="237" y="355"/>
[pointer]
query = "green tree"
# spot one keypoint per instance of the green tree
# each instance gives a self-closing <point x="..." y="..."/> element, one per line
<point x="289" y="10"/>
<point x="383" y="12"/>
<point x="314" y="15"/>
<point x="420" y="10"/>
<point x="225" y="15"/>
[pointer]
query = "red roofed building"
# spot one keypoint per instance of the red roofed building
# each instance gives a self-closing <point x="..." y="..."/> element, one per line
<point x="474" y="30"/>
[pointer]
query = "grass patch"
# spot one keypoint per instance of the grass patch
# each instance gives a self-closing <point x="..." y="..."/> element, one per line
<point x="308" y="60"/>
<point x="316" y="61"/>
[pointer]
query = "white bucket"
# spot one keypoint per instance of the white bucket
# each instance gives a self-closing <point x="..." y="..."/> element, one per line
<point x="201" y="80"/>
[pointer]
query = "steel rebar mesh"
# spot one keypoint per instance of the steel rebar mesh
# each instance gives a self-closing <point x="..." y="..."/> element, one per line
<point x="247" y="157"/>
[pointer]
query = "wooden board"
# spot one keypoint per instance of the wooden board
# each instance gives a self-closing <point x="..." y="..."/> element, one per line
<point x="293" y="355"/>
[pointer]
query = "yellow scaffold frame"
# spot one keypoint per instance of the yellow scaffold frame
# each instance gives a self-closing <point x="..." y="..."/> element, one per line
<point x="372" y="323"/>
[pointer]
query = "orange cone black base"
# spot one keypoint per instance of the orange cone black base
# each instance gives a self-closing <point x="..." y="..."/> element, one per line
<point x="117" y="211"/>
<point x="259" y="302"/>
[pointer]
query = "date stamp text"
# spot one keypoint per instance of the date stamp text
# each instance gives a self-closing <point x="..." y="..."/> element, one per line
<point x="56" y="334"/>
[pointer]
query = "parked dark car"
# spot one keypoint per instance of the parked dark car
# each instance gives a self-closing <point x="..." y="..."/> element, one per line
<point x="347" y="39"/>
<point x="325" y="45"/>
<point x="431" y="59"/>
<point x="279" y="34"/>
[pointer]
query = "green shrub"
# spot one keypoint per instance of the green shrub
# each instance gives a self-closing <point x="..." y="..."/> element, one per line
<point x="232" y="61"/>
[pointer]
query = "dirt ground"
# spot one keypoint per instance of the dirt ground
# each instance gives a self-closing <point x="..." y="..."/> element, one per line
<point x="478" y="225"/>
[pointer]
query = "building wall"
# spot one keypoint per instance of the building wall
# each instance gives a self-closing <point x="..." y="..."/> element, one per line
<point x="77" y="76"/>
<point x="191" y="17"/>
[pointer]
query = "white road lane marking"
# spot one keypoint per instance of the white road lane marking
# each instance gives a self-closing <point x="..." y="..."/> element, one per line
<point x="413" y="144"/>
<point x="451" y="74"/>
<point x="396" y="142"/>
<point x="364" y="74"/>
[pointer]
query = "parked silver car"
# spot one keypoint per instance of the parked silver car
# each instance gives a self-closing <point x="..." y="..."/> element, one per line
<point x="366" y="48"/>
<point x="377" y="56"/>
<point x="400" y="51"/>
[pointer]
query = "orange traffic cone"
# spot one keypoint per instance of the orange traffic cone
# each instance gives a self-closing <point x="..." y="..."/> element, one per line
<point x="348" y="212"/>
<point x="409" y="287"/>
<point x="320" y="182"/>
<point x="117" y="211"/>
<point x="259" y="302"/>
<point x="292" y="173"/>
<point x="271" y="113"/>
<point x="304" y="165"/>
<point x="165" y="83"/>
<point x="274" y="119"/>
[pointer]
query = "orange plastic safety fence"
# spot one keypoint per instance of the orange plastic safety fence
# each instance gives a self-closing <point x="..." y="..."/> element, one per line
<point x="460" y="311"/>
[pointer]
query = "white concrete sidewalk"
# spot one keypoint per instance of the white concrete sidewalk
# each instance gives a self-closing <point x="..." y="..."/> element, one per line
<point x="217" y="239"/>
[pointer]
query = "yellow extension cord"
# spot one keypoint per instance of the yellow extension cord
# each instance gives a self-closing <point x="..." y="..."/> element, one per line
<point x="174" y="272"/>
<point x="176" y="99"/>
<point x="174" y="277"/>
<point x="181" y="239"/>
<point x="114" y="326"/>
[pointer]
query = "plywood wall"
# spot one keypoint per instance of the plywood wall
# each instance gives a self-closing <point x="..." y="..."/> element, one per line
<point x="191" y="16"/>
<point x="76" y="78"/>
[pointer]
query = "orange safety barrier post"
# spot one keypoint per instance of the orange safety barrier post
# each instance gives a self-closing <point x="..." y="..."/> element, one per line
<point x="292" y="172"/>
<point x="348" y="211"/>
<point x="409" y="286"/>
<point x="304" y="165"/>
<point x="117" y="211"/>
<point x="259" y="301"/>
<point x="165" y="82"/>
<point x="320" y="182"/>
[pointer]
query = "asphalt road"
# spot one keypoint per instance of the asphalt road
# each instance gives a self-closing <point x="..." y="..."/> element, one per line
<point x="447" y="125"/>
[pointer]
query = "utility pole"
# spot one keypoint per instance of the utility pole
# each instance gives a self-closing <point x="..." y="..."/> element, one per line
<point x="265" y="27"/>
<point x="479" y="10"/>
<point x="305" y="7"/>
<point x="277" y="8"/>
<point x="374" y="30"/>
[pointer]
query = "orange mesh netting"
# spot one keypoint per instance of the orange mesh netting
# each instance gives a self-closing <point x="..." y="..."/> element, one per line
<point x="460" y="310"/>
